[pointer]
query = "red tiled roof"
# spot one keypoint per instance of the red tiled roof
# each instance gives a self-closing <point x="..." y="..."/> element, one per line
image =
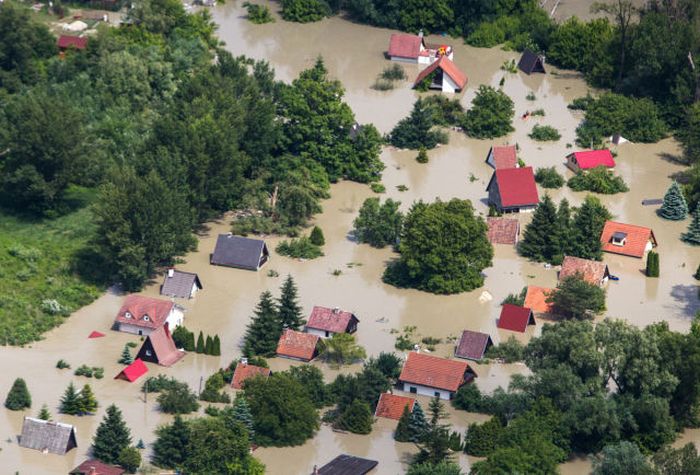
<point x="434" y="372"/>
<point x="65" y="41"/>
<point x="472" y="345"/>
<point x="328" y="319"/>
<point x="139" y="306"/>
<point x="294" y="344"/>
<point x="503" y="230"/>
<point x="594" y="158"/>
<point x="591" y="271"/>
<point x="536" y="299"/>
<point x="245" y="371"/>
<point x="515" y="318"/>
<point x="391" y="406"/>
<point x="448" y="67"/>
<point x="635" y="241"/>
<point x="516" y="186"/>
<point x="96" y="334"/>
<point x="504" y="157"/>
<point x="164" y="347"/>
<point x="404" y="45"/>
<point x="95" y="467"/>
<point x="133" y="372"/>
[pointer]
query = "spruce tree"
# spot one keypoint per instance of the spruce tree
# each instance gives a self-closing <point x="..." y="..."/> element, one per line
<point x="200" y="343"/>
<point x="357" y="418"/>
<point x="189" y="342"/>
<point x="208" y="346"/>
<point x="70" y="402"/>
<point x="112" y="436"/>
<point x="674" y="206"/>
<point x="587" y="226"/>
<point x="288" y="307"/>
<point x="126" y="356"/>
<point x="87" y="401"/>
<point x="18" y="397"/>
<point x="693" y="234"/>
<point x="317" y="237"/>
<point x="264" y="330"/>
<point x="417" y="425"/>
<point x="170" y="449"/>
<point x="652" y="264"/>
<point x="540" y="241"/>
<point x="435" y="444"/>
<point x="44" y="414"/>
<point x="216" y="346"/>
<point x="242" y="414"/>
<point x="697" y="273"/>
<point x="403" y="430"/>
<point x="564" y="232"/>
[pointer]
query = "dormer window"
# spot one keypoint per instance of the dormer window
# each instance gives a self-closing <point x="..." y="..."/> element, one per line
<point x="128" y="315"/>
<point x="619" y="239"/>
<point x="146" y="318"/>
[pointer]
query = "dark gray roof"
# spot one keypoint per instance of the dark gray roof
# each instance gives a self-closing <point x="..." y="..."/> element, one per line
<point x="472" y="345"/>
<point x="54" y="437"/>
<point x="237" y="251"/>
<point x="531" y="62"/>
<point x="347" y="465"/>
<point x="180" y="284"/>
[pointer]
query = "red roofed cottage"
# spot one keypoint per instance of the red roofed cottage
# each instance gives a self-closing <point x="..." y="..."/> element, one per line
<point x="433" y="376"/>
<point x="513" y="190"/>
<point x="64" y="42"/>
<point x="593" y="272"/>
<point x="627" y="239"/>
<point x="326" y="322"/>
<point x="502" y="157"/>
<point x="245" y="371"/>
<point x="443" y="75"/>
<point x="141" y="315"/>
<point x="297" y="345"/>
<point x="515" y="318"/>
<point x="578" y="161"/>
<point x="133" y="372"/>
<point x="414" y="49"/>
<point x="159" y="348"/>
<point x="391" y="405"/>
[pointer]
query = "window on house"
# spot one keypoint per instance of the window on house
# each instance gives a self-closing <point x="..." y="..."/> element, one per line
<point x="327" y="334"/>
<point x="619" y="238"/>
<point x="436" y="394"/>
<point x="413" y="389"/>
<point x="127" y="314"/>
<point x="146" y="318"/>
<point x="148" y="353"/>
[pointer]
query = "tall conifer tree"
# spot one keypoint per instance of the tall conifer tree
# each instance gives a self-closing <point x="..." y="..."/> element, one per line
<point x="288" y="307"/>
<point x="112" y="436"/>
<point x="674" y="206"/>
<point x="264" y="330"/>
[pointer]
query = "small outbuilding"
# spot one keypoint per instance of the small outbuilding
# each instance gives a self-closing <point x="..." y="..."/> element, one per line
<point x="444" y="75"/>
<point x="96" y="467"/>
<point x="627" y="239"/>
<point x="515" y="318"/>
<point x="346" y="465"/>
<point x="297" y="345"/>
<point x="159" y="348"/>
<point x="581" y="161"/>
<point x="593" y="272"/>
<point x="433" y="376"/>
<point x="133" y="372"/>
<point x="391" y="406"/>
<point x="473" y="345"/>
<point x="326" y="322"/>
<point x="245" y="371"/>
<point x="413" y="49"/>
<point x="502" y="157"/>
<point x="513" y="190"/>
<point x="536" y="299"/>
<point x="180" y="284"/>
<point x="65" y="42"/>
<point x="142" y="315"/>
<point x="531" y="62"/>
<point x="239" y="252"/>
<point x="503" y="230"/>
<point x="47" y="436"/>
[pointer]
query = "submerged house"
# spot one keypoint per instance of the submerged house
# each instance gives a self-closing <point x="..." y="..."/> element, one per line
<point x="503" y="230"/>
<point x="96" y="467"/>
<point x="346" y="465"/>
<point x="536" y="299"/>
<point x="65" y="42"/>
<point x="239" y="252"/>
<point x="443" y="75"/>
<point x="530" y="62"/>
<point x="515" y="318"/>
<point x="472" y="345"/>
<point x="133" y="372"/>
<point x="391" y="406"/>
<point x="47" y="436"/>
<point x="502" y="157"/>
<point x="159" y="348"/>
<point x="627" y="239"/>
<point x="245" y="371"/>
<point x="513" y="190"/>
<point x="142" y="315"/>
<point x="326" y="322"/>
<point x="433" y="376"/>
<point x="180" y="284"/>
<point x="297" y="345"/>
<point x="413" y="49"/>
<point x="581" y="161"/>
<point x="593" y="272"/>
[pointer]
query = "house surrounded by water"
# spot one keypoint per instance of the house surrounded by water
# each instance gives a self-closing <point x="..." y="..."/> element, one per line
<point x="297" y="345"/>
<point x="159" y="348"/>
<point x="413" y="49"/>
<point x="627" y="239"/>
<point x="505" y="156"/>
<point x="434" y="376"/>
<point x="442" y="75"/>
<point x="531" y="62"/>
<point x="593" y="272"/>
<point x="239" y="252"/>
<point x="587" y="160"/>
<point x="513" y="190"/>
<point x="142" y="315"/>
<point x="180" y="284"/>
<point x="326" y="322"/>
<point x="47" y="436"/>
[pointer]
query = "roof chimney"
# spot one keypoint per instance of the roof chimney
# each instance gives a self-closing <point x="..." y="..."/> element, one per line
<point x="244" y="361"/>
<point x="171" y="272"/>
<point x="416" y="348"/>
<point x="336" y="310"/>
<point x="93" y="471"/>
<point x="315" y="470"/>
<point x="420" y="33"/>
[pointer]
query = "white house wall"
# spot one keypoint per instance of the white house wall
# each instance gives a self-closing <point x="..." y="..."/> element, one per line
<point x="134" y="329"/>
<point x="321" y="333"/>
<point x="427" y="391"/>
<point x="448" y="85"/>
<point x="175" y="318"/>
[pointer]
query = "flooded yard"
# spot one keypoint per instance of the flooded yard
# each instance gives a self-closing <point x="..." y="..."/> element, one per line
<point x="354" y="55"/>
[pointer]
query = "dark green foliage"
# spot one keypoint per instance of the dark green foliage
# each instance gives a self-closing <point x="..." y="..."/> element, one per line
<point x="598" y="180"/>
<point x="18" y="397"/>
<point x="582" y="103"/>
<point x="87" y="401"/>
<point x="212" y="389"/>
<point x="366" y="385"/>
<point x="541" y="239"/>
<point x="126" y="356"/>
<point x="697" y="273"/>
<point x="434" y="444"/>
<point x="301" y="248"/>
<point x="548" y="177"/>
<point x="441" y="468"/>
<point x="208" y="346"/>
<point x="357" y="418"/>
<point x="417" y="130"/>
<point x="216" y="346"/>
<point x="585" y="47"/>
<point x="402" y="432"/>
<point x="417" y="424"/>
<point x="178" y="399"/>
<point x="258" y="14"/>
<point x="311" y="379"/>
<point x="112" y="436"/>
<point x="130" y="459"/>
<point x="684" y="460"/>
<point x="388" y="363"/>
<point x="468" y="398"/>
<point x="446" y="112"/>
<point x="455" y="442"/>
<point x="577" y="298"/>
<point x="622" y="458"/>
<point x="159" y="383"/>
<point x="544" y="133"/>
<point x="341" y="349"/>
<point x="395" y="72"/>
<point x="304" y="11"/>
<point x="241" y="413"/>
<point x="422" y="156"/>
<point x="62" y="364"/>
<point x="690" y="135"/>
<point x="200" y="343"/>
<point x="443" y="249"/>
<point x="378" y="225"/>
<point x="652" y="269"/>
<point x="316" y="237"/>
<point x="288" y="308"/>
<point x="482" y="439"/>
<point x="491" y="114"/>
<point x="264" y="330"/>
<point x="183" y="338"/>
<point x="516" y="299"/>
<point x="283" y="412"/>
<point x="171" y="445"/>
<point x="692" y="236"/>
<point x="70" y="402"/>
<point x="586" y="228"/>
<point x="510" y="351"/>
<point x="674" y="206"/>
<point x="44" y="414"/>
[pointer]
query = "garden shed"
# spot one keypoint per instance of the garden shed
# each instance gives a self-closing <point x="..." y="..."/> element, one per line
<point x="531" y="62"/>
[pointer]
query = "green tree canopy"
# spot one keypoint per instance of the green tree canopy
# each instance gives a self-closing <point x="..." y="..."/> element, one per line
<point x="341" y="349"/>
<point x="491" y="114"/>
<point x="378" y="224"/>
<point x="288" y="308"/>
<point x="18" y="397"/>
<point x="674" y="206"/>
<point x="357" y="418"/>
<point x="264" y="329"/>
<point x="577" y="298"/>
<point x="112" y="436"/>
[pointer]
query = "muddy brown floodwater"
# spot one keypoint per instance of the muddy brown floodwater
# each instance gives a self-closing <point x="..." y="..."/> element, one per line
<point x="354" y="54"/>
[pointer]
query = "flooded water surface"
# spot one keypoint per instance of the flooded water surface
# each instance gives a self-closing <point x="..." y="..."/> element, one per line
<point x="354" y="55"/>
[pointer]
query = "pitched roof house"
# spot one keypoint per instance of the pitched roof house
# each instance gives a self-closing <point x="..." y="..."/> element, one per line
<point x="414" y="49"/>
<point x="472" y="345"/>
<point x="445" y="74"/>
<point x="325" y="322"/>
<point x="96" y="467"/>
<point x="513" y="190"/>
<point x="346" y="465"/>
<point x="133" y="372"/>
<point x="297" y="345"/>
<point x="503" y="230"/>
<point x="239" y="252"/>
<point x="627" y="239"/>
<point x="515" y="318"/>
<point x="47" y="436"/>
<point x="502" y="157"/>
<point x="578" y="161"/>
<point x="536" y="299"/>
<point x="180" y="284"/>
<point x="66" y="41"/>
<point x="530" y="62"/>
<point x="594" y="272"/>
<point x="141" y="315"/>
<point x="433" y="376"/>
<point x="244" y="371"/>
<point x="159" y="348"/>
<point x="391" y="406"/>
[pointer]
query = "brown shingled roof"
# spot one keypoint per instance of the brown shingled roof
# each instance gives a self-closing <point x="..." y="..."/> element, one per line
<point x="297" y="345"/>
<point x="503" y="230"/>
<point x="591" y="271"/>
<point x="330" y="319"/>
<point x="472" y="345"/>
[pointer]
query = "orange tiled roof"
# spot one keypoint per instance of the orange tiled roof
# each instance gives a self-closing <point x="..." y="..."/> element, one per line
<point x="448" y="67"/>
<point x="503" y="230"/>
<point x="245" y="371"/>
<point x="592" y="271"/>
<point x="391" y="406"/>
<point x="434" y="372"/>
<point x="504" y="156"/>
<point x="635" y="241"/>
<point x="536" y="299"/>
<point x="294" y="344"/>
<point x="138" y="307"/>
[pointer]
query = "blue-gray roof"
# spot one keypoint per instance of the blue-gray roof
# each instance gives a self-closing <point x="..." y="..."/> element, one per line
<point x="241" y="252"/>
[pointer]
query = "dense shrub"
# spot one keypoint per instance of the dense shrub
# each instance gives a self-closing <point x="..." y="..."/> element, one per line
<point x="598" y="180"/>
<point x="544" y="133"/>
<point x="377" y="224"/>
<point x="491" y="114"/>
<point x="258" y="14"/>
<point x="548" y="177"/>
<point x="418" y="129"/>
<point x="18" y="397"/>
<point x="305" y="11"/>
<point x="510" y="351"/>
<point x="301" y="248"/>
